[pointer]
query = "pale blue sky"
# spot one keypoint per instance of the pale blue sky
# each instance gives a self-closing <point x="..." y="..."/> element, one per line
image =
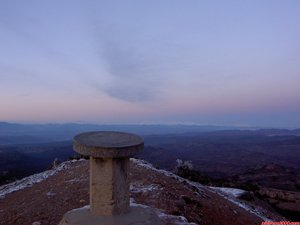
<point x="207" y="62"/>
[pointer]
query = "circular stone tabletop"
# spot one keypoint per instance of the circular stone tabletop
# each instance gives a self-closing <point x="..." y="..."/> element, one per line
<point x="107" y="144"/>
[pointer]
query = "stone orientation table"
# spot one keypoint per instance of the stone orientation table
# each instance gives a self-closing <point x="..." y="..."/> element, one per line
<point x="109" y="154"/>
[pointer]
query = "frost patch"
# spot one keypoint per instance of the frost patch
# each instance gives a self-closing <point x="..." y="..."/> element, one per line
<point x="135" y="188"/>
<point x="84" y="207"/>
<point x="50" y="194"/>
<point x="36" y="223"/>
<point x="199" y="187"/>
<point x="176" y="220"/>
<point x="33" y="179"/>
<point x="229" y="194"/>
<point x="76" y="180"/>
<point x="234" y="192"/>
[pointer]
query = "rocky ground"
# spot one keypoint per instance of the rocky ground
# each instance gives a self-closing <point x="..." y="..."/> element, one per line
<point x="275" y="187"/>
<point x="43" y="201"/>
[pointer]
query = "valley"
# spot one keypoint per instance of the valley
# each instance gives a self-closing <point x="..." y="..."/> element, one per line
<point x="266" y="163"/>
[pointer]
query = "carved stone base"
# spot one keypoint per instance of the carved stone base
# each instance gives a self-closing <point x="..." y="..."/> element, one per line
<point x="137" y="215"/>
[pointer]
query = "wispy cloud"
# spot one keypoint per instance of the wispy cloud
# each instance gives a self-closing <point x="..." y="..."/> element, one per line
<point x="134" y="78"/>
<point x="136" y="71"/>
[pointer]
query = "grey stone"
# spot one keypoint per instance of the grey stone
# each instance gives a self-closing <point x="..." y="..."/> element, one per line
<point x="109" y="185"/>
<point x="136" y="216"/>
<point x="107" y="144"/>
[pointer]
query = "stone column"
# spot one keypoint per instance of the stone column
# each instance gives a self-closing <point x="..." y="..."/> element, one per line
<point x="109" y="185"/>
<point x="109" y="164"/>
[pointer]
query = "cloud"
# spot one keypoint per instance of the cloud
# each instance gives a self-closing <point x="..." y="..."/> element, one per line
<point x="135" y="72"/>
<point x="133" y="77"/>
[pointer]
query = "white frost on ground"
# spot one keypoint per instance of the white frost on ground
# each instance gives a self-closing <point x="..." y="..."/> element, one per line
<point x="199" y="187"/>
<point x="147" y="165"/>
<point x="231" y="195"/>
<point x="234" y="192"/>
<point x="29" y="181"/>
<point x="49" y="194"/>
<point x="76" y="180"/>
<point x="228" y="194"/>
<point x="84" y="207"/>
<point x="176" y="220"/>
<point x="136" y="188"/>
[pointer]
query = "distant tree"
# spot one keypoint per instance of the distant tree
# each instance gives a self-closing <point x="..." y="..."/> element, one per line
<point x="55" y="163"/>
<point x="186" y="170"/>
<point x="180" y="164"/>
<point x="78" y="156"/>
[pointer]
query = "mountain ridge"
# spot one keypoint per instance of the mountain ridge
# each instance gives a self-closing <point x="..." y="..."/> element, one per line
<point x="180" y="201"/>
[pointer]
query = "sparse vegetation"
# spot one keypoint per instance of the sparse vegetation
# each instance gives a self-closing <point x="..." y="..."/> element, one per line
<point x="185" y="170"/>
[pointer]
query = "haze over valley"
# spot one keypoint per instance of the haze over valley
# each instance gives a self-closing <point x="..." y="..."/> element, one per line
<point x="211" y="86"/>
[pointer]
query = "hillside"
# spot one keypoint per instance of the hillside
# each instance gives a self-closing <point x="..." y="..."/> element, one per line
<point x="44" y="198"/>
<point x="223" y="154"/>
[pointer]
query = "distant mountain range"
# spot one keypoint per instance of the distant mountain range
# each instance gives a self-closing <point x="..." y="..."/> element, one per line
<point x="37" y="133"/>
<point x="266" y="158"/>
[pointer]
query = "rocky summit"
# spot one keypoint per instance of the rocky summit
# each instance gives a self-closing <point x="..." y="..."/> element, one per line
<point x="42" y="199"/>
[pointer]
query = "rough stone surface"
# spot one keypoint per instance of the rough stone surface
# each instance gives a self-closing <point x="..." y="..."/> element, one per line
<point x="136" y="216"/>
<point x="149" y="187"/>
<point x="107" y="144"/>
<point x="109" y="153"/>
<point x="109" y="186"/>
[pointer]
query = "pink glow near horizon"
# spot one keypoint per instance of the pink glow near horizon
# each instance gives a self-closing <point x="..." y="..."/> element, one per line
<point x="192" y="62"/>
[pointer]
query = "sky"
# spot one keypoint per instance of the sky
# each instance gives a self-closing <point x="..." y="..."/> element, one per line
<point x="151" y="62"/>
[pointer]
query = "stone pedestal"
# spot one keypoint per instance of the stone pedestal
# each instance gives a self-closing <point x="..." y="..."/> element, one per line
<point x="109" y="185"/>
<point x="135" y="216"/>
